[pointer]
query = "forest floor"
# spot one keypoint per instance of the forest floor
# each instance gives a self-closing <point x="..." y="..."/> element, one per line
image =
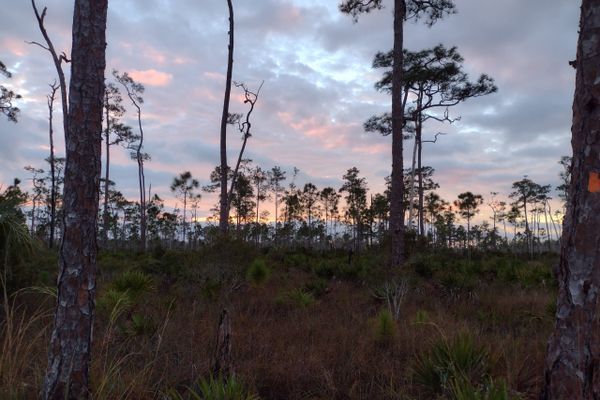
<point x="304" y="325"/>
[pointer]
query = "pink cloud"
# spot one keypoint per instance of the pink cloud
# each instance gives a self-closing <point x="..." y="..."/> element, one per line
<point x="151" y="77"/>
<point x="14" y="46"/>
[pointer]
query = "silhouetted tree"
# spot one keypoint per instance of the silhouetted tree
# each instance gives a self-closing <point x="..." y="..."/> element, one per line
<point x="7" y="97"/>
<point x="355" y="189"/>
<point x="436" y="80"/>
<point x="134" y="91"/>
<point x="245" y="128"/>
<point x="184" y="186"/>
<point x="276" y="176"/>
<point x="524" y="192"/>
<point x="403" y="10"/>
<point x="114" y="133"/>
<point x="224" y="199"/>
<point x="468" y="206"/>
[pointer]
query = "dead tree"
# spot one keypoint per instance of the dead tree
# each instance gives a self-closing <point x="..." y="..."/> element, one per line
<point x="222" y="360"/>
<point x="50" y="98"/>
<point x="249" y="98"/>
<point x="57" y="59"/>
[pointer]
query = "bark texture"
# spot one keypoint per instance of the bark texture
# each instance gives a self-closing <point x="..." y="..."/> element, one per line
<point x="572" y="369"/>
<point x="223" y="361"/>
<point x="396" y="206"/>
<point x="67" y="376"/>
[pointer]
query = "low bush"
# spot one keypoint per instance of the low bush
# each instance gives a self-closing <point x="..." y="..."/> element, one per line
<point x="258" y="272"/>
<point x="447" y="361"/>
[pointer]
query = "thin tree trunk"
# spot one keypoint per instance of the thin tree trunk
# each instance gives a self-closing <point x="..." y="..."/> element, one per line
<point x="573" y="358"/>
<point x="184" y="217"/>
<point x="276" y="190"/>
<point x="224" y="200"/>
<point x="57" y="62"/>
<point x="420" y="172"/>
<point x="107" y="172"/>
<point x="548" y="232"/>
<point x="397" y="206"/>
<point x="52" y="165"/>
<point x="142" y="181"/>
<point x="553" y="224"/>
<point x="67" y="376"/>
<point x="411" y="192"/>
<point x="33" y="209"/>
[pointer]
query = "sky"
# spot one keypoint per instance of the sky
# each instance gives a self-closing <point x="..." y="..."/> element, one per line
<point x="318" y="89"/>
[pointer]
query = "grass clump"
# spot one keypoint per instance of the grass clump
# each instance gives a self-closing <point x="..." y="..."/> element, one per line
<point x="462" y="389"/>
<point x="218" y="388"/>
<point x="385" y="326"/>
<point x="296" y="297"/>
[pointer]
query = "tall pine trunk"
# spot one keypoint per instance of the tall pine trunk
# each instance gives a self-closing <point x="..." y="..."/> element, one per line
<point x="106" y="173"/>
<point x="572" y="369"/>
<point x="224" y="200"/>
<point x="397" y="206"/>
<point x="67" y="376"/>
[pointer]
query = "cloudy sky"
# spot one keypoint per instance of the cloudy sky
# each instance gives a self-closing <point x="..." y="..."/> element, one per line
<point x="318" y="88"/>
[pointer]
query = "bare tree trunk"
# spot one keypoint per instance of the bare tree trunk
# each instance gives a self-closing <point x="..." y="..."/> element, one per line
<point x="57" y="59"/>
<point x="411" y="192"/>
<point x="33" y="210"/>
<point x="420" y="172"/>
<point x="107" y="172"/>
<point x="67" y="376"/>
<point x="224" y="201"/>
<point x="184" y="217"/>
<point x="223" y="362"/>
<point x="51" y="98"/>
<point x="573" y="358"/>
<point x="396" y="206"/>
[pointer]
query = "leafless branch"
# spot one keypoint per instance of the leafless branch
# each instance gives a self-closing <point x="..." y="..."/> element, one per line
<point x="56" y="58"/>
<point x="435" y="138"/>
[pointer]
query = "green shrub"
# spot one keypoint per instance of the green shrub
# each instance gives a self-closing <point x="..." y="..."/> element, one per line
<point x="113" y="304"/>
<point x="297" y="297"/>
<point x="385" y="328"/>
<point x="425" y="266"/>
<point x="317" y="287"/>
<point x="327" y="268"/>
<point x="215" y="389"/>
<point x="258" y="272"/>
<point x="140" y="325"/>
<point x="450" y="360"/>
<point x="135" y="283"/>
<point x="458" y="280"/>
<point x="210" y="289"/>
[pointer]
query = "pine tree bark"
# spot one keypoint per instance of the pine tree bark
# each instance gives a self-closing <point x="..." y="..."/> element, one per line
<point x="572" y="369"/>
<point x="67" y="376"/>
<point x="397" y="206"/>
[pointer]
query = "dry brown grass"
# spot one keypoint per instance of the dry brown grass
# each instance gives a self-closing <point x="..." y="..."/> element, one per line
<point x="326" y="350"/>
